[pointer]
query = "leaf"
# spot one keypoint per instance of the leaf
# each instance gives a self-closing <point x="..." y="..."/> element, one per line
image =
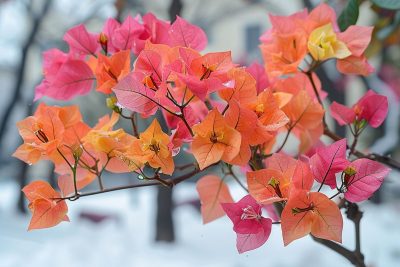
<point x="81" y="41"/>
<point x="387" y="4"/>
<point x="311" y="212"/>
<point x="46" y="211"/>
<point x="368" y="178"/>
<point x="349" y="15"/>
<point x="328" y="161"/>
<point x="182" y="33"/>
<point x="212" y="191"/>
<point x="133" y="95"/>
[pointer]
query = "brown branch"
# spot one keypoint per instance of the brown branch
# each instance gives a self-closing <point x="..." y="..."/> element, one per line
<point x="134" y="126"/>
<point x="348" y="254"/>
<point x="152" y="181"/>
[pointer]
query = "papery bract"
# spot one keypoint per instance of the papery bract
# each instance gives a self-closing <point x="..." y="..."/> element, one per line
<point x="302" y="176"/>
<point x="258" y="72"/>
<point x="252" y="229"/>
<point x="371" y="107"/>
<point x="154" y="144"/>
<point x="132" y="94"/>
<point x="355" y="65"/>
<point x="305" y="116"/>
<point x="268" y="185"/>
<point x="47" y="210"/>
<point x="311" y="212"/>
<point x="244" y="87"/>
<point x="253" y="132"/>
<point x="368" y="177"/>
<point x="214" y="140"/>
<point x="182" y="33"/>
<point x="110" y="70"/>
<point x="283" y="53"/>
<point x="126" y="36"/>
<point x="283" y="163"/>
<point x="44" y="132"/>
<point x="268" y="111"/>
<point x="207" y="73"/>
<point x="303" y="111"/>
<point x="80" y="41"/>
<point x="357" y="39"/>
<point x="323" y="44"/>
<point x="72" y="77"/>
<point x="212" y="192"/>
<point x="328" y="161"/>
<point x="293" y="84"/>
<point x="110" y="27"/>
<point x="321" y="15"/>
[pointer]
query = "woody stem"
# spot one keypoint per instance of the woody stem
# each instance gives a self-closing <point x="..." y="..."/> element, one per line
<point x="155" y="182"/>
<point x="74" y="176"/>
<point x="346" y="253"/>
<point x="353" y="145"/>
<point x="134" y="126"/>
<point x="309" y="75"/>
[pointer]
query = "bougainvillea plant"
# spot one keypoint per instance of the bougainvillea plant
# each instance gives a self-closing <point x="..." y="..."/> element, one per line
<point x="223" y="114"/>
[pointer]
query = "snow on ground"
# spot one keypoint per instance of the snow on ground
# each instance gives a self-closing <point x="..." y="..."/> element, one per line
<point x="128" y="241"/>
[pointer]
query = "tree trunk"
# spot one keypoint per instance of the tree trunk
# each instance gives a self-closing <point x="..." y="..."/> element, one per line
<point x="165" y="224"/>
<point x="164" y="221"/>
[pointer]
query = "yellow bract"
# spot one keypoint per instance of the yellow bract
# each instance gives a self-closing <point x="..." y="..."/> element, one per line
<point x="324" y="44"/>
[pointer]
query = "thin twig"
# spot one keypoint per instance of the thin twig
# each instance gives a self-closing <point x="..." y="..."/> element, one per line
<point x="153" y="182"/>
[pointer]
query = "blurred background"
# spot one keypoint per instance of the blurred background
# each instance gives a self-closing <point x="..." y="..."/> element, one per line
<point x="153" y="226"/>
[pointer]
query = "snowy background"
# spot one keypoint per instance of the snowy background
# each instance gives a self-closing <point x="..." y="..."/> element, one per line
<point x="126" y="237"/>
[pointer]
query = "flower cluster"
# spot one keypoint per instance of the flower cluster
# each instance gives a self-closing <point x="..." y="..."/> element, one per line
<point x="222" y="113"/>
<point x="314" y="36"/>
